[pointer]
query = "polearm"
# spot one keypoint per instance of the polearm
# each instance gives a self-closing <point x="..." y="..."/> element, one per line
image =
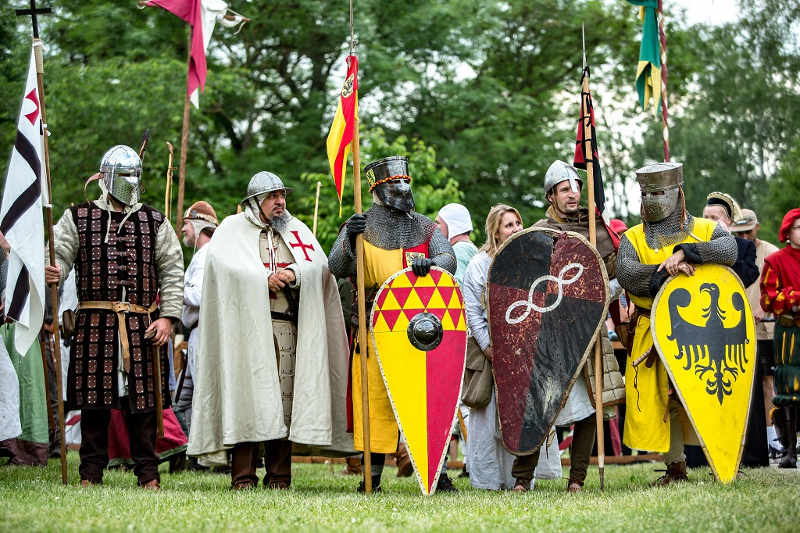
<point x="361" y="296"/>
<point x="316" y="210"/>
<point x="662" y="36"/>
<point x="37" y="52"/>
<point x="362" y="314"/>
<point x="168" y="188"/>
<point x="184" y="141"/>
<point x="586" y="118"/>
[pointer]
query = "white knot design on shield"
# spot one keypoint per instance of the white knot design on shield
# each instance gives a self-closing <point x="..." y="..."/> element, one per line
<point x="529" y="305"/>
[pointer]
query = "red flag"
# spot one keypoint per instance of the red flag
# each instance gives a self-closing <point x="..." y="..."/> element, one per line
<point x="587" y="111"/>
<point x="192" y="12"/>
<point x="343" y="126"/>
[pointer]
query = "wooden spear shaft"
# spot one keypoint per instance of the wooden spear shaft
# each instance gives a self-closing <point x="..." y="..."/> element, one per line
<point x="37" y="51"/>
<point x="184" y="144"/>
<point x="363" y="347"/>
<point x="316" y="210"/>
<point x="664" y="115"/>
<point x="586" y="117"/>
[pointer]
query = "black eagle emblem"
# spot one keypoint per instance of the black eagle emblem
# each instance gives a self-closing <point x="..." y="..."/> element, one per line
<point x="717" y="352"/>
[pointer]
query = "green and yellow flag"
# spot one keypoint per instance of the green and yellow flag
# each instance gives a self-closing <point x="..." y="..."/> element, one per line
<point x="648" y="72"/>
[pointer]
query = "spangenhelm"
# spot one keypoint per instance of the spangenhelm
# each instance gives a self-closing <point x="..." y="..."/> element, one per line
<point x="262" y="183"/>
<point x="121" y="169"/>
<point x="661" y="185"/>
<point x="388" y="178"/>
<point x="560" y="171"/>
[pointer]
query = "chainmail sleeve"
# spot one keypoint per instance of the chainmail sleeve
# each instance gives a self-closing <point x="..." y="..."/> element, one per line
<point x="342" y="259"/>
<point x="721" y="249"/>
<point x="440" y="251"/>
<point x="634" y="276"/>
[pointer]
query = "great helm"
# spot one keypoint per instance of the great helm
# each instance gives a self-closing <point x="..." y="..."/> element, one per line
<point x="560" y="171"/>
<point x="388" y="178"/>
<point x="262" y="183"/>
<point x="660" y="184"/>
<point x="121" y="169"/>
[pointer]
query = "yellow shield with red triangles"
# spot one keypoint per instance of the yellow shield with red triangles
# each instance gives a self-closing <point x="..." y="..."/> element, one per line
<point x="419" y="330"/>
<point x="703" y="329"/>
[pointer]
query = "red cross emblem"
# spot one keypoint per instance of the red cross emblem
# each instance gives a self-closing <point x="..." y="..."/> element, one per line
<point x="300" y="244"/>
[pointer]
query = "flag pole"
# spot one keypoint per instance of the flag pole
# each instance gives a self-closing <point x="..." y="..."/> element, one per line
<point x="37" y="53"/>
<point x="361" y="296"/>
<point x="664" y="115"/>
<point x="586" y="118"/>
<point x="184" y="142"/>
<point x="316" y="210"/>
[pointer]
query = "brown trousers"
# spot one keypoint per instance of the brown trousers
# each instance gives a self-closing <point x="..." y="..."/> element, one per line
<point x="580" y="452"/>
<point x="94" y="443"/>
<point x="277" y="460"/>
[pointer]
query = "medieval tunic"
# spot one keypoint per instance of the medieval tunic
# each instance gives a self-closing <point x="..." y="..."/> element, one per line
<point x="780" y="293"/>
<point x="134" y="257"/>
<point x="647" y="387"/>
<point x="237" y="382"/>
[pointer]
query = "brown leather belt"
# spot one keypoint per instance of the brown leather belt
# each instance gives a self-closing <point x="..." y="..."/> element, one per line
<point x="121" y="309"/>
<point x="789" y="321"/>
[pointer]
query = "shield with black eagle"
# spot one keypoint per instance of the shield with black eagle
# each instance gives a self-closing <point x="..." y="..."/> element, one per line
<point x="547" y="300"/>
<point x="419" y="330"/>
<point x="703" y="329"/>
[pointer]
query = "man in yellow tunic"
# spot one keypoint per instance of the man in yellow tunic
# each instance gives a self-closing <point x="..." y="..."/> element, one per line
<point x="395" y="237"/>
<point x="668" y="242"/>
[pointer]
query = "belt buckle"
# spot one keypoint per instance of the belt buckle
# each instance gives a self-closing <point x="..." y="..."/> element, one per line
<point x="121" y="307"/>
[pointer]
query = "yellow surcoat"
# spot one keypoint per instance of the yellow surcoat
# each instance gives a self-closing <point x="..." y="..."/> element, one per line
<point x="647" y="388"/>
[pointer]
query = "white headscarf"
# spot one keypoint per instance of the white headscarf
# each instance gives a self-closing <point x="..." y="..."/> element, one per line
<point x="456" y="216"/>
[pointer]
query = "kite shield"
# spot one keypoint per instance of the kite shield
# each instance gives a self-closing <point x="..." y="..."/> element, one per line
<point x="419" y="330"/>
<point x="703" y="329"/>
<point x="548" y="298"/>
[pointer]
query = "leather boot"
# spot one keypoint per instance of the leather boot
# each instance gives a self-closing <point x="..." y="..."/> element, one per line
<point x="789" y="438"/>
<point x="353" y="467"/>
<point x="675" y="472"/>
<point x="404" y="466"/>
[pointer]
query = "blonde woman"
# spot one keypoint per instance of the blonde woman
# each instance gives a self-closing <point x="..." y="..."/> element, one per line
<point x="490" y="465"/>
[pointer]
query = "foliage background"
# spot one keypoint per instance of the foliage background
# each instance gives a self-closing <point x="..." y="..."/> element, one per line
<point x="482" y="96"/>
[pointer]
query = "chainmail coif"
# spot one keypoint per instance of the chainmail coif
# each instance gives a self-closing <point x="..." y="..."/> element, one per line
<point x="391" y="229"/>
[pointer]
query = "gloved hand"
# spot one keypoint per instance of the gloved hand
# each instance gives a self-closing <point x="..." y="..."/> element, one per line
<point x="355" y="224"/>
<point x="421" y="266"/>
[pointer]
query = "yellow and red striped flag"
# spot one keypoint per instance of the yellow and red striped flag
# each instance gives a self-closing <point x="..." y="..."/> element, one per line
<point x="340" y="136"/>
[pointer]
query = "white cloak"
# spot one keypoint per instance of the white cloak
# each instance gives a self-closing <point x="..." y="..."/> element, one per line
<point x="237" y="394"/>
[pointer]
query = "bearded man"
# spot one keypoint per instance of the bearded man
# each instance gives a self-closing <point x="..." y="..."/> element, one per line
<point x="395" y="237"/>
<point x="562" y="186"/>
<point x="668" y="242"/>
<point x="129" y="273"/>
<point x="272" y="361"/>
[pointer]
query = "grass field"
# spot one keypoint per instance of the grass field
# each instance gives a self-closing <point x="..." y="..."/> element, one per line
<point x="33" y="499"/>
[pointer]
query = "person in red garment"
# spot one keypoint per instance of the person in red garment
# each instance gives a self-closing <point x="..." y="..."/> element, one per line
<point x="780" y="295"/>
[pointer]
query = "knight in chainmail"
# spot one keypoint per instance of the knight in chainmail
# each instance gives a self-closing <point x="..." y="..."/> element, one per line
<point x="668" y="242"/>
<point x="395" y="237"/>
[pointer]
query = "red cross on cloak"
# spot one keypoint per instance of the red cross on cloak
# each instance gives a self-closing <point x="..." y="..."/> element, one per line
<point x="300" y="244"/>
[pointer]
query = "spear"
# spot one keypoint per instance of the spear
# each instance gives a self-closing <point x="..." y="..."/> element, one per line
<point x="316" y="210"/>
<point x="586" y="119"/>
<point x="37" y="51"/>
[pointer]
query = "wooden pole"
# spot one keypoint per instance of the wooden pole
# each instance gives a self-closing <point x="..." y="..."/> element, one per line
<point x="598" y="350"/>
<point x="168" y="188"/>
<point x="316" y="210"/>
<point x="362" y="315"/>
<point x="43" y="344"/>
<point x="159" y="398"/>
<point x="37" y="51"/>
<point x="664" y="115"/>
<point x="462" y="425"/>
<point x="184" y="143"/>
